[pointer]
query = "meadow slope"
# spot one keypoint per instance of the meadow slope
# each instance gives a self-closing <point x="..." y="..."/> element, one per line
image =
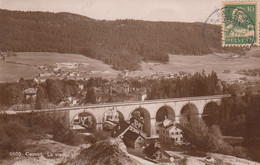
<point x="25" y="65"/>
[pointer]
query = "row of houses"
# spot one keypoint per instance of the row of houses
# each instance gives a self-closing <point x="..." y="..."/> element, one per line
<point x="133" y="135"/>
<point x="41" y="78"/>
<point x="109" y="92"/>
<point x="155" y="76"/>
<point x="119" y="92"/>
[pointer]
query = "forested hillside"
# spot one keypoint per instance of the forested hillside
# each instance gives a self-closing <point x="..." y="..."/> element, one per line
<point x="121" y="43"/>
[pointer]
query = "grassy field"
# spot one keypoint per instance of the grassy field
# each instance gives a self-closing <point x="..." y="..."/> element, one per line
<point x="12" y="72"/>
<point x="24" y="65"/>
<point x="193" y="64"/>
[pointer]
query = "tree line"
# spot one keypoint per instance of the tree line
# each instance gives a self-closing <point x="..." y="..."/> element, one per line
<point x="50" y="92"/>
<point x="121" y="43"/>
<point x="199" y="84"/>
<point x="238" y="117"/>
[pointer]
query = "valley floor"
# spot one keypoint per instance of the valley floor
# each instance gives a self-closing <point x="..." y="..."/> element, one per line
<point x="26" y="65"/>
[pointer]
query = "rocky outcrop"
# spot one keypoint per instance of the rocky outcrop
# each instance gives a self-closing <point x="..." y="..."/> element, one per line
<point x="103" y="152"/>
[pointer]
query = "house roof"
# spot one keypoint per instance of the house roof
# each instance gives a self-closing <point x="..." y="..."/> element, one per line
<point x="120" y="128"/>
<point x="30" y="91"/>
<point x="168" y="124"/>
<point x="151" y="150"/>
<point x="133" y="117"/>
<point x="131" y="135"/>
<point x="112" y="121"/>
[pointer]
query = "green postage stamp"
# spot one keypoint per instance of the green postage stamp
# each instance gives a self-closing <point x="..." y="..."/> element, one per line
<point x="240" y="23"/>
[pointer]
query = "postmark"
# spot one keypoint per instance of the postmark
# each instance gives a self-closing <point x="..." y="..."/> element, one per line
<point x="229" y="32"/>
<point x="240" y="23"/>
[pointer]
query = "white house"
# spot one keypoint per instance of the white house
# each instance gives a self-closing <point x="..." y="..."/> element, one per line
<point x="169" y="131"/>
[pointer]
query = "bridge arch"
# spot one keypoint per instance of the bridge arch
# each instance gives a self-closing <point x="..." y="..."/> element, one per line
<point x="189" y="110"/>
<point x="144" y="116"/>
<point x="84" y="119"/>
<point x="110" y="118"/>
<point x="165" y="112"/>
<point x="210" y="113"/>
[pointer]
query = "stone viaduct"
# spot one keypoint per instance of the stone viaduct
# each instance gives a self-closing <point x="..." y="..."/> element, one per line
<point x="175" y="108"/>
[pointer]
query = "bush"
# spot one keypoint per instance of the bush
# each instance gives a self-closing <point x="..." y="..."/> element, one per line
<point x="17" y="128"/>
<point x="12" y="137"/>
<point x="90" y="139"/>
<point x="70" y="138"/>
<point x="101" y="135"/>
<point x="224" y="148"/>
<point x="208" y="139"/>
<point x="240" y="152"/>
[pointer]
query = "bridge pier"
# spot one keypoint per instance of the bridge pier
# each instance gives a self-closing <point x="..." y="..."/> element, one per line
<point x="153" y="126"/>
<point x="99" y="126"/>
<point x="177" y="119"/>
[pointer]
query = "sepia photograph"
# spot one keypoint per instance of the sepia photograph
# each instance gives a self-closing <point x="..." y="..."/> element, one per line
<point x="129" y="82"/>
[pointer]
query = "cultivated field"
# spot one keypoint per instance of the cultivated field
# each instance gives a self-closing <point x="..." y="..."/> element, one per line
<point x="25" y="65"/>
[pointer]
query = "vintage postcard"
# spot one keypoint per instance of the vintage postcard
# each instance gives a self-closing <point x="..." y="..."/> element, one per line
<point x="132" y="82"/>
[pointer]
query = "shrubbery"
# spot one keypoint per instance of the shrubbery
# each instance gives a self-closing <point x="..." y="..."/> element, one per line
<point x="101" y="135"/>
<point x="16" y="129"/>
<point x="250" y="72"/>
<point x="209" y="139"/>
<point x="12" y="137"/>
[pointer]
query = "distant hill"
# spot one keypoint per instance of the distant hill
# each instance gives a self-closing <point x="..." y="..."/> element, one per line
<point x="121" y="43"/>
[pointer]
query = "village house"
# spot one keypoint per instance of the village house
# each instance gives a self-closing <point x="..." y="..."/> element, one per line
<point x="80" y="86"/>
<point x="137" y="123"/>
<point x="169" y="132"/>
<point x="102" y="97"/>
<point x="67" y="65"/>
<point x="108" y="125"/>
<point x="142" y="92"/>
<point x="68" y="101"/>
<point x="42" y="79"/>
<point x="153" y="139"/>
<point x="154" y="151"/>
<point x="111" y="115"/>
<point x="121" y="88"/>
<point x="85" y="120"/>
<point x="46" y="74"/>
<point x="133" y="140"/>
<point x="73" y="100"/>
<point x="107" y="88"/>
<point x="125" y="73"/>
<point x="30" y="93"/>
<point x="39" y="80"/>
<point x="120" y="129"/>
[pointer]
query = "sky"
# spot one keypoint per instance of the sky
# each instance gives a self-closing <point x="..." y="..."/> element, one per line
<point x="151" y="10"/>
